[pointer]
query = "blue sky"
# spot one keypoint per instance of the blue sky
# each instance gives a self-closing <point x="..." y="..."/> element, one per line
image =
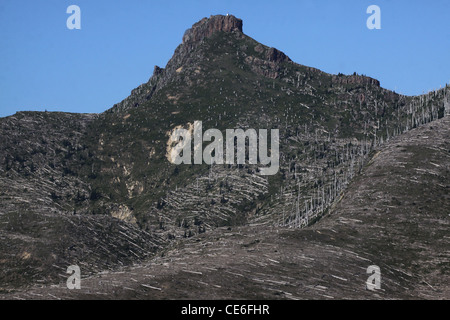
<point x="45" y="66"/>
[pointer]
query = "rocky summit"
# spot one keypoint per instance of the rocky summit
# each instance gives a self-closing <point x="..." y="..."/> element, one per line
<point x="208" y="26"/>
<point x="362" y="181"/>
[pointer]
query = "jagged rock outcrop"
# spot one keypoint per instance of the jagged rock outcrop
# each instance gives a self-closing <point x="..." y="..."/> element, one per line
<point x="207" y="26"/>
<point x="277" y="56"/>
<point x="355" y="79"/>
<point x="270" y="65"/>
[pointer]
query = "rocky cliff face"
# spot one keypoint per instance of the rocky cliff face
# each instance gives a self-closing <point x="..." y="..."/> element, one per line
<point x="356" y="80"/>
<point x="208" y="26"/>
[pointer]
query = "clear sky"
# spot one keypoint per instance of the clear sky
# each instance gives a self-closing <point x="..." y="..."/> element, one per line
<point x="46" y="66"/>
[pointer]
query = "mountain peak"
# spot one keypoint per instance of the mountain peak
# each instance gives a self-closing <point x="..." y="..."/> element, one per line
<point x="208" y="26"/>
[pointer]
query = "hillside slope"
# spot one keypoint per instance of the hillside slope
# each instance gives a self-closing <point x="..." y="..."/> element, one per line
<point x="393" y="215"/>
